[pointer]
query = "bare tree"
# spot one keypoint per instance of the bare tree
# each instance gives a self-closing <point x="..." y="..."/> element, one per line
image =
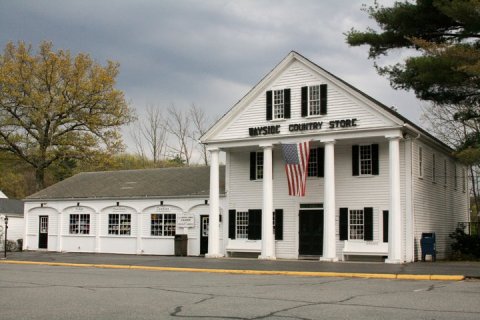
<point x="151" y="134"/>
<point x="200" y="126"/>
<point x="448" y="123"/>
<point x="179" y="126"/>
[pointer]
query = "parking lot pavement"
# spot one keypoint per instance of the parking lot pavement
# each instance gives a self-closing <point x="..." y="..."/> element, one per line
<point x="466" y="269"/>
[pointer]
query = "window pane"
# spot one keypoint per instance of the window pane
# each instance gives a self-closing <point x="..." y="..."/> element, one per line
<point x="314" y="100"/>
<point x="366" y="159"/>
<point x="259" y="165"/>
<point x="242" y="225"/>
<point x="356" y="225"/>
<point x="278" y="107"/>
<point x="74" y="223"/>
<point x="113" y="224"/>
<point x="312" y="163"/>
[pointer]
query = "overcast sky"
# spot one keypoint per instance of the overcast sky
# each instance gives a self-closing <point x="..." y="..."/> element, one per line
<point x="208" y="52"/>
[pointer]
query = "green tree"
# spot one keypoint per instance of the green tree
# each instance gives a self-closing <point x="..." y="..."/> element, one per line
<point x="55" y="107"/>
<point x="444" y="32"/>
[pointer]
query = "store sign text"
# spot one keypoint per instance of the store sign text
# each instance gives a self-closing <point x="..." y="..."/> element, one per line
<point x="306" y="126"/>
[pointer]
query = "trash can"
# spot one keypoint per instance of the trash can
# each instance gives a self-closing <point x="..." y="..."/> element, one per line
<point x="428" y="245"/>
<point x="181" y="243"/>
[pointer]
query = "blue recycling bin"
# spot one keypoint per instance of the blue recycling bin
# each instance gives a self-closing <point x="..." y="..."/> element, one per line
<point x="428" y="244"/>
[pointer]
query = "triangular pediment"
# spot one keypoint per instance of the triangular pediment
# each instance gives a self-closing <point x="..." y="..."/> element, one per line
<point x="347" y="108"/>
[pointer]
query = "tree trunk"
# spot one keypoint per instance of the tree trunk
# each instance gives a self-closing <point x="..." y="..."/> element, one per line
<point x="39" y="178"/>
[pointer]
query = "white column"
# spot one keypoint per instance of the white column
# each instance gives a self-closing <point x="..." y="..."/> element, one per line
<point x="268" y="238"/>
<point x="60" y="230"/>
<point x="395" y="212"/>
<point x="214" y="217"/>
<point x="329" y="246"/>
<point x="139" y="233"/>
<point x="98" y="216"/>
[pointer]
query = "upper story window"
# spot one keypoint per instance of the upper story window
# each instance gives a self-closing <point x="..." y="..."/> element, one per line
<point x="256" y="165"/>
<point x="365" y="160"/>
<point x="434" y="168"/>
<point x="420" y="162"/>
<point x="278" y="104"/>
<point x="316" y="163"/>
<point x="314" y="100"/>
<point x="445" y="171"/>
<point x="464" y="180"/>
<point x="455" y="178"/>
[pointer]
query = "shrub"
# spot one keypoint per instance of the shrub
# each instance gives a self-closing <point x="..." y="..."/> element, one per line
<point x="465" y="246"/>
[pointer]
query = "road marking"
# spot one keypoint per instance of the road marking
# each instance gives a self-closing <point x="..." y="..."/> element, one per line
<point x="250" y="272"/>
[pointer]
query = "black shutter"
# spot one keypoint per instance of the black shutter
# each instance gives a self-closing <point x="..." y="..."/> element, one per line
<point x="343" y="223"/>
<point x="375" y="159"/>
<point x="355" y="160"/>
<point x="385" y="226"/>
<point x="304" y="101"/>
<point x="368" y="224"/>
<point x="320" y="162"/>
<point x="323" y="99"/>
<point x="232" y="219"/>
<point x="254" y="224"/>
<point x="286" y="103"/>
<point x="269" y="105"/>
<point x="253" y="165"/>
<point x="278" y="224"/>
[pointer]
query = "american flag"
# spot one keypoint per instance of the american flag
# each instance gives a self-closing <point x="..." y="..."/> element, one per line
<point x="296" y="162"/>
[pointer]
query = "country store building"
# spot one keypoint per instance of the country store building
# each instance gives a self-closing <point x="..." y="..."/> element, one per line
<point x="374" y="183"/>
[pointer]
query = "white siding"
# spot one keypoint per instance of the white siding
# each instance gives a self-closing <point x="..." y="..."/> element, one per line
<point x="340" y="106"/>
<point x="351" y="192"/>
<point x="437" y="207"/>
<point x="139" y="241"/>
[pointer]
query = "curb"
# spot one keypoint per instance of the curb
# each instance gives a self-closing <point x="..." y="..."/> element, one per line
<point x="250" y="272"/>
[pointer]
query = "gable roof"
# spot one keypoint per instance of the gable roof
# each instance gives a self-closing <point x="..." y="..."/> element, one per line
<point x="153" y="183"/>
<point x="295" y="56"/>
<point x="11" y="206"/>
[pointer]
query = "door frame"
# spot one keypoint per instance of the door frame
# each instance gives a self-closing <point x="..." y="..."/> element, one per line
<point x="42" y="236"/>
<point x="202" y="237"/>
<point x="319" y="211"/>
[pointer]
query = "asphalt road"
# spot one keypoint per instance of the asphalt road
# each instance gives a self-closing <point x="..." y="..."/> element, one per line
<point x="46" y="292"/>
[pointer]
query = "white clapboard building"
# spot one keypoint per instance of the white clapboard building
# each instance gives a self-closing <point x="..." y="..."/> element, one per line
<point x="375" y="181"/>
<point x="130" y="212"/>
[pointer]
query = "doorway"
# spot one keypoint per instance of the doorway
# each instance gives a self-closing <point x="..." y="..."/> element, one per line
<point x="310" y="232"/>
<point x="204" y="234"/>
<point x="43" y="232"/>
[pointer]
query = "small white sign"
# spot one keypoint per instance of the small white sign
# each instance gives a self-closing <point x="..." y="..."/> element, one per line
<point x="185" y="221"/>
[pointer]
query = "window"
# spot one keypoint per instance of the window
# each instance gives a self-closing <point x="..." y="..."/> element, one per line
<point x="314" y="100"/>
<point x="434" y="169"/>
<point x="455" y="178"/>
<point x="79" y="224"/>
<point x="256" y="165"/>
<point x="365" y="160"/>
<point x="356" y="225"/>
<point x="464" y="180"/>
<point x="420" y="162"/>
<point x="163" y="224"/>
<point x="445" y="170"/>
<point x="312" y="169"/>
<point x="242" y="225"/>
<point x="278" y="105"/>
<point x="119" y="223"/>
<point x="316" y="162"/>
